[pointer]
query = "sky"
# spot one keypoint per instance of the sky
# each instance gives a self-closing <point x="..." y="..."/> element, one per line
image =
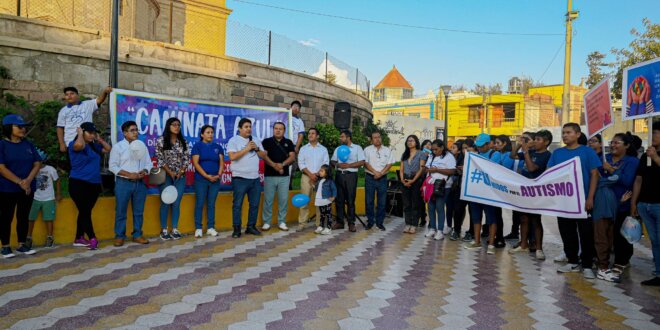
<point x="429" y="58"/>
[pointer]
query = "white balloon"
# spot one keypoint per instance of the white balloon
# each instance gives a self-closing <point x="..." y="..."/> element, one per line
<point x="138" y="149"/>
<point x="169" y="195"/>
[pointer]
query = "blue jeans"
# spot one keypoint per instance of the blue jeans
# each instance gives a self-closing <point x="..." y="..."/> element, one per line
<point x="379" y="187"/>
<point x="476" y="211"/>
<point x="251" y="188"/>
<point x="179" y="184"/>
<point x="136" y="193"/>
<point x="205" y="191"/>
<point x="437" y="213"/>
<point x="272" y="185"/>
<point x="650" y="213"/>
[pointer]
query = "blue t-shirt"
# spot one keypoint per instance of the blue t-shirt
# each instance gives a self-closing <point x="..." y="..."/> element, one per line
<point x="505" y="160"/>
<point x="86" y="163"/>
<point x="539" y="159"/>
<point x="626" y="170"/>
<point x="209" y="157"/>
<point x="588" y="159"/>
<point x="19" y="158"/>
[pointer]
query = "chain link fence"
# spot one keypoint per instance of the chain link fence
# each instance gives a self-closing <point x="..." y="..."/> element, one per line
<point x="195" y="28"/>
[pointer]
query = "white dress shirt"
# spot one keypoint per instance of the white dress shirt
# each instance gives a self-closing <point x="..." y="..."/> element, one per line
<point x="356" y="155"/>
<point x="378" y="158"/>
<point x="120" y="159"/>
<point x="312" y="157"/>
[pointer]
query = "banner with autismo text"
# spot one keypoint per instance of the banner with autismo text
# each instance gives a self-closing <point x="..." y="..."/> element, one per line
<point x="557" y="192"/>
<point x="151" y="111"/>
<point x="598" y="108"/>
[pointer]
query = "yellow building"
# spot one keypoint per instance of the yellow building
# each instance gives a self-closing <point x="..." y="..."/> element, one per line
<point x="494" y="114"/>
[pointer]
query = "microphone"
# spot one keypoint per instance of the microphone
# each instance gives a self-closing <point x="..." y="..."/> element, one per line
<point x="250" y="138"/>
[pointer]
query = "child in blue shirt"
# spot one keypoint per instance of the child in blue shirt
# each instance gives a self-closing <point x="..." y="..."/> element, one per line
<point x="578" y="234"/>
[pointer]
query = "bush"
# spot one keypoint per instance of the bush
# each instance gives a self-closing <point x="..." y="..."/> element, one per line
<point x="361" y="135"/>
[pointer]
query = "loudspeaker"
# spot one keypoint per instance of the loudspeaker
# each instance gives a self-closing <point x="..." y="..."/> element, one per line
<point x="342" y="115"/>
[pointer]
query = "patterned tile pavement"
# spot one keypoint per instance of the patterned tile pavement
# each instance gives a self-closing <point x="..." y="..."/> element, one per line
<point x="299" y="280"/>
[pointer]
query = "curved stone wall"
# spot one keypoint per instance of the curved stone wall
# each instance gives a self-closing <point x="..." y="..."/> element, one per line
<point x="44" y="57"/>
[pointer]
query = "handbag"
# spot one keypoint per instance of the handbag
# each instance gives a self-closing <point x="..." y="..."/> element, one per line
<point x="157" y="176"/>
<point x="439" y="188"/>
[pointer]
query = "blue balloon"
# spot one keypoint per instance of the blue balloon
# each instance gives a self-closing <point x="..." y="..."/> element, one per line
<point x="300" y="200"/>
<point x="343" y="152"/>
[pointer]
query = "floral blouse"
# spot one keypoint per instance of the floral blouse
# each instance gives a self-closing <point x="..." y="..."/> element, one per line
<point x="176" y="158"/>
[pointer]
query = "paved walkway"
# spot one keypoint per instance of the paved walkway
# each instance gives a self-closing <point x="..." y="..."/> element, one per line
<point x="291" y="280"/>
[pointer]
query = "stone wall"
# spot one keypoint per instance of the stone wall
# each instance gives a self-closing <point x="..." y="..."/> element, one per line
<point x="44" y="57"/>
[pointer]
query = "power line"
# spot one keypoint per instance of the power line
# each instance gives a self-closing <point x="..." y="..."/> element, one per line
<point x="553" y="60"/>
<point x="420" y="27"/>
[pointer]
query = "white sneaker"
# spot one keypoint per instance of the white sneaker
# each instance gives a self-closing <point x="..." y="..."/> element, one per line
<point x="266" y="226"/>
<point x="439" y="236"/>
<point x="429" y="232"/>
<point x="326" y="231"/>
<point x="318" y="230"/>
<point x="198" y="233"/>
<point x="608" y="275"/>
<point x="540" y="255"/>
<point x="569" y="268"/>
<point x="588" y="273"/>
<point x="490" y="249"/>
<point x="283" y="226"/>
<point x="446" y="231"/>
<point x="212" y="232"/>
<point x="561" y="258"/>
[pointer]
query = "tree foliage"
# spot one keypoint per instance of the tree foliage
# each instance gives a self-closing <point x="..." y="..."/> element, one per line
<point x="644" y="47"/>
<point x="595" y="63"/>
<point x="361" y="134"/>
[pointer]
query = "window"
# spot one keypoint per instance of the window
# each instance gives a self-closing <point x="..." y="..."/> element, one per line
<point x="509" y="111"/>
<point x="414" y="114"/>
<point x="474" y="114"/>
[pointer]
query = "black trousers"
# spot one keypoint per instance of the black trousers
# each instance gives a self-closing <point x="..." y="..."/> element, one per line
<point x="10" y="203"/>
<point x="456" y="210"/>
<point x="346" y="189"/>
<point x="515" y="223"/>
<point x="499" y="235"/>
<point x="412" y="197"/>
<point x="84" y="195"/>
<point x="578" y="234"/>
<point x="623" y="250"/>
<point x="326" y="215"/>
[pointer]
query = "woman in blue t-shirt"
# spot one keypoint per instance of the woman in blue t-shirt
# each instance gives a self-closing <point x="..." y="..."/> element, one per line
<point x="85" y="180"/>
<point x="208" y="158"/>
<point x="19" y="164"/>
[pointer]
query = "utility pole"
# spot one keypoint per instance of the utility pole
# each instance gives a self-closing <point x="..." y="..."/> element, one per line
<point x="566" y="94"/>
<point x="485" y="94"/>
<point x="114" y="45"/>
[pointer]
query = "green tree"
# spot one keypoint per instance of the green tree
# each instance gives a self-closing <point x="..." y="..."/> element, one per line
<point x="644" y="47"/>
<point x="595" y="63"/>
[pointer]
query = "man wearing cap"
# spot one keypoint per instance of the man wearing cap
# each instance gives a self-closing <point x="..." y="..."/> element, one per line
<point x="483" y="143"/>
<point x="75" y="113"/>
<point x="346" y="180"/>
<point x="378" y="161"/>
<point x="19" y="164"/>
<point x="129" y="186"/>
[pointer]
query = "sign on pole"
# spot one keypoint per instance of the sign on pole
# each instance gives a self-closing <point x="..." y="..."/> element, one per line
<point x="598" y="108"/>
<point x="641" y="90"/>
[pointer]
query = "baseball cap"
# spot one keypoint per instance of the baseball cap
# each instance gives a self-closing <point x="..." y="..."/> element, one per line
<point x="482" y="139"/>
<point x="88" y="127"/>
<point x="13" y="119"/>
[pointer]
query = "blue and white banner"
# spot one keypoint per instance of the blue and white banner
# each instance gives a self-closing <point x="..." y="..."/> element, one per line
<point x="557" y="192"/>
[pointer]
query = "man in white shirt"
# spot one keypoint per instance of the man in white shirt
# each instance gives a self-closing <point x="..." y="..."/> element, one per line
<point x="346" y="180"/>
<point x="244" y="152"/>
<point x="378" y="161"/>
<point x="310" y="159"/>
<point x="129" y="167"/>
<point x="75" y="113"/>
<point x="297" y="136"/>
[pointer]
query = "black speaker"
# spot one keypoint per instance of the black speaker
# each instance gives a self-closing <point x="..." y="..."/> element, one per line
<point x="342" y="115"/>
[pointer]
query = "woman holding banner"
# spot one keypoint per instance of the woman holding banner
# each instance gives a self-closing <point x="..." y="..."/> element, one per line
<point x="412" y="163"/>
<point x="617" y="178"/>
<point x="174" y="157"/>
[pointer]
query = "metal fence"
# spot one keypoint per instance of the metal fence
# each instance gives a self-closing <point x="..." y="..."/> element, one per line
<point x="195" y="28"/>
<point x="270" y="48"/>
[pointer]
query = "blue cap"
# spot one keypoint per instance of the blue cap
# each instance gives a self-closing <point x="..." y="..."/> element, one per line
<point x="482" y="139"/>
<point x="14" y="119"/>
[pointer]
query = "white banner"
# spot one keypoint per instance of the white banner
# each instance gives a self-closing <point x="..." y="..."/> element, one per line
<point x="557" y="192"/>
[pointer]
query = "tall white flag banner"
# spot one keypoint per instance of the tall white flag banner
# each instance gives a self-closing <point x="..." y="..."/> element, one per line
<point x="557" y="192"/>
